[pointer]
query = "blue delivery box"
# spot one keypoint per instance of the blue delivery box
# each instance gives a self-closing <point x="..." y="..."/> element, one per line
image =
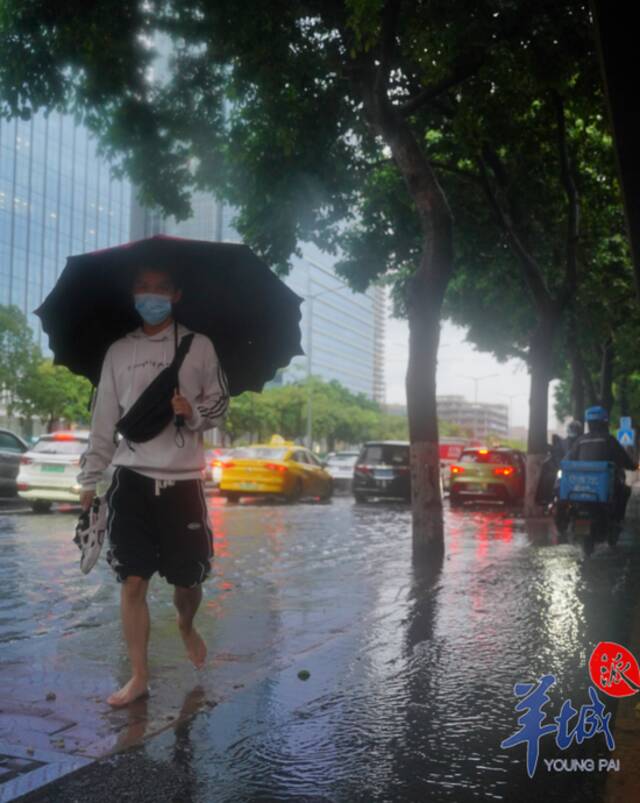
<point x="586" y="481"/>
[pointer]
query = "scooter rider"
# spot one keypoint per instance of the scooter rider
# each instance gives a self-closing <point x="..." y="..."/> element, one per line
<point x="599" y="445"/>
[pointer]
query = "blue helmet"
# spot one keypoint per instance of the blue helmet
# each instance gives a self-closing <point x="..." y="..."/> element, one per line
<point x="596" y="414"/>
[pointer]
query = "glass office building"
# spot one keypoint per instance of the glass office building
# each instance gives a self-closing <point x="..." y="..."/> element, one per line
<point x="57" y="198"/>
<point x="342" y="331"/>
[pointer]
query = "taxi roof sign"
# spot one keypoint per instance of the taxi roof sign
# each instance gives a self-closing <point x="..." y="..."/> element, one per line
<point x="278" y="440"/>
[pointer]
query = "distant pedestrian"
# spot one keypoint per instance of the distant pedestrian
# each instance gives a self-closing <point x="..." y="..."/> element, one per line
<point x="574" y="430"/>
<point x="157" y="512"/>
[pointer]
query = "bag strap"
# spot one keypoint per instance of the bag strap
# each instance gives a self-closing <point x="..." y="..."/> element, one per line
<point x="181" y="350"/>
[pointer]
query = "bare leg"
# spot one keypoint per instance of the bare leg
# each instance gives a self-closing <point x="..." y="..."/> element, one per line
<point x="135" y="626"/>
<point x="187" y="602"/>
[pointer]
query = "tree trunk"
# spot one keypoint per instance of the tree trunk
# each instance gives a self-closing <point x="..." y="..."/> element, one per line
<point x="424" y="338"/>
<point x="425" y="296"/>
<point x="606" y="376"/>
<point x="590" y="388"/>
<point x="541" y="370"/>
<point x="624" y="395"/>
<point x="576" y="363"/>
<point x="577" y="396"/>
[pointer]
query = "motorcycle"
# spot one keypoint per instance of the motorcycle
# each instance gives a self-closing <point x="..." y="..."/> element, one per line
<point x="585" y="502"/>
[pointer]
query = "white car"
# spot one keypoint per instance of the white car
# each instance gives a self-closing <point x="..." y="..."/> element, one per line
<point x="49" y="470"/>
<point x="340" y="465"/>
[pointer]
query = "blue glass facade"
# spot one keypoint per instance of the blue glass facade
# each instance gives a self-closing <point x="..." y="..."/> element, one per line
<point x="57" y="198"/>
<point x="339" y="326"/>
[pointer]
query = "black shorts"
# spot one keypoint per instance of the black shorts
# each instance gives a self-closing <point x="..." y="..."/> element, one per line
<point x="161" y="527"/>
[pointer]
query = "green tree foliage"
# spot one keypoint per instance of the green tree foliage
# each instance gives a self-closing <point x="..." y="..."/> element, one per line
<point x="52" y="392"/>
<point x="338" y="416"/>
<point x="31" y="385"/>
<point x="18" y="353"/>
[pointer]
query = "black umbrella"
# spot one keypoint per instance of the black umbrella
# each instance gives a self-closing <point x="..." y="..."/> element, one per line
<point x="228" y="294"/>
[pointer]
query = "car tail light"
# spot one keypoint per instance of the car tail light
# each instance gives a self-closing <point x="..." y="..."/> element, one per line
<point x="402" y="469"/>
<point x="276" y="467"/>
<point x="228" y="464"/>
<point x="457" y="470"/>
<point x="63" y="436"/>
<point x="363" y="469"/>
<point x="483" y="451"/>
<point x="23" y="486"/>
<point x="25" y="461"/>
<point x="505" y="471"/>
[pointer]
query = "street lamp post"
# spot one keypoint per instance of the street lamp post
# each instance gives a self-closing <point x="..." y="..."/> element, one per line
<point x="476" y="380"/>
<point x="511" y="397"/>
<point x="309" y="354"/>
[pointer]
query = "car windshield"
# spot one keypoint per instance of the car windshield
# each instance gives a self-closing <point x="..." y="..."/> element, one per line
<point x="53" y="446"/>
<point x="386" y="454"/>
<point x="494" y="458"/>
<point x="343" y="457"/>
<point x="260" y="453"/>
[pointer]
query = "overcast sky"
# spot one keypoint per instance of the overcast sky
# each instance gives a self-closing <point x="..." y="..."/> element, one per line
<point x="458" y="359"/>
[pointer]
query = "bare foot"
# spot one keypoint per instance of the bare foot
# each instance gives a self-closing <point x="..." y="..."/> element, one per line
<point x="133" y="690"/>
<point x="196" y="648"/>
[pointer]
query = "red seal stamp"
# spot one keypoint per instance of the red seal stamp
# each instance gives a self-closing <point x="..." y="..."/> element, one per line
<point x="614" y="670"/>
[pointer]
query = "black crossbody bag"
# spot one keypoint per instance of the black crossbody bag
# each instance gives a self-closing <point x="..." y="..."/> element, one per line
<point x="152" y="411"/>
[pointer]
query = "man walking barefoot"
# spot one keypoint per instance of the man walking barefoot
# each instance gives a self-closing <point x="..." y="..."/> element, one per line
<point x="157" y="513"/>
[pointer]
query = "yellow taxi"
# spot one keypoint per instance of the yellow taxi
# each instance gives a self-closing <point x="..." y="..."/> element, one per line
<point x="280" y="468"/>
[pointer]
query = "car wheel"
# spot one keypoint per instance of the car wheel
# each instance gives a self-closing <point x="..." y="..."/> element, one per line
<point x="232" y="497"/>
<point x="326" y="496"/>
<point x="359" y="497"/>
<point x="296" y="493"/>
<point x="455" y="500"/>
<point x="40" y="506"/>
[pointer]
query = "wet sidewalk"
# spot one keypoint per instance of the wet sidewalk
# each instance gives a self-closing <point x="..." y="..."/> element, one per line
<point x="411" y="667"/>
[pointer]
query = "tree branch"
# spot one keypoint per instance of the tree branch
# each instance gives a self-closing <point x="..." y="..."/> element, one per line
<point x="390" y="16"/>
<point x="519" y="24"/>
<point x="452" y="168"/>
<point x="531" y="270"/>
<point x="459" y="74"/>
<point x="570" y="284"/>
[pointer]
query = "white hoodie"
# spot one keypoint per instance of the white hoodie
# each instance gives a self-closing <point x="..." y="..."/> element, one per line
<point x="130" y="365"/>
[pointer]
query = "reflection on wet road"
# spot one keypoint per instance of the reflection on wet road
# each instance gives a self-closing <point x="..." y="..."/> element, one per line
<point x="411" y="667"/>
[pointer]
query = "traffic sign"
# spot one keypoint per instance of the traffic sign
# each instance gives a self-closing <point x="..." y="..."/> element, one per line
<point x="627" y="437"/>
<point x="625" y="422"/>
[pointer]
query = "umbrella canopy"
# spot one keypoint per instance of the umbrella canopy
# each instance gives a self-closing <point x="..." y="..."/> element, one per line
<point x="228" y="294"/>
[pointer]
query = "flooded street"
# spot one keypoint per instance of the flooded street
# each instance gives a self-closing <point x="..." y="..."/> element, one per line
<point x="411" y="667"/>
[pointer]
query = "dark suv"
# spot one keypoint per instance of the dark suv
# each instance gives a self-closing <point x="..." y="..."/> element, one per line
<point x="382" y="469"/>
